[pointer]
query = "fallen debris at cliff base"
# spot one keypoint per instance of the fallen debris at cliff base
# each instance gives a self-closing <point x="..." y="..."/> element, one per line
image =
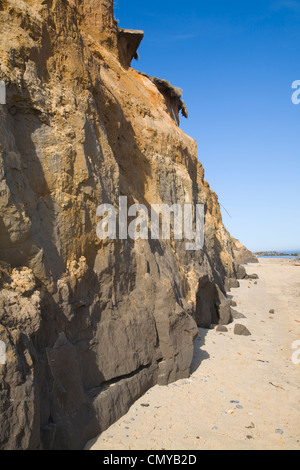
<point x="241" y="330"/>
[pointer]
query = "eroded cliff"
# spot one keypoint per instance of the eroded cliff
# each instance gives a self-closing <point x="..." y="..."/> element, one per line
<point x="90" y="325"/>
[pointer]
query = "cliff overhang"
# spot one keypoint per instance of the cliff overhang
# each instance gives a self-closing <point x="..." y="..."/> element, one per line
<point x="129" y="41"/>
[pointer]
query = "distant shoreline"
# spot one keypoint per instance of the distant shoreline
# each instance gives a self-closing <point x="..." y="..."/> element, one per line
<point x="275" y="254"/>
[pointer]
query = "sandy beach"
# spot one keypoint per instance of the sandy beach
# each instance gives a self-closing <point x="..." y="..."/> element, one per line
<point x="243" y="392"/>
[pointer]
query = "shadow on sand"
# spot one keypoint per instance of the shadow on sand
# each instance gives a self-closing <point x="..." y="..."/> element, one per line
<point x="199" y="354"/>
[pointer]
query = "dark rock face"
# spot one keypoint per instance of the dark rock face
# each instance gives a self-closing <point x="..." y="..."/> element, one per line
<point x="212" y="307"/>
<point x="68" y="403"/>
<point x="241" y="272"/>
<point x="173" y="98"/>
<point x="233" y="284"/>
<point x="252" y="276"/>
<point x="225" y="311"/>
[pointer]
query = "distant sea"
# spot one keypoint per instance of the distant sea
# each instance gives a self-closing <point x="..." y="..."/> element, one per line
<point x="287" y="254"/>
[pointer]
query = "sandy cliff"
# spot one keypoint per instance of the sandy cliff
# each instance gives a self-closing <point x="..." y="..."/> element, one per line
<point x="89" y="325"/>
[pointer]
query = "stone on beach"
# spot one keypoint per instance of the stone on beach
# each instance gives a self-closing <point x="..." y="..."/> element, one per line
<point x="221" y="329"/>
<point x="241" y="330"/>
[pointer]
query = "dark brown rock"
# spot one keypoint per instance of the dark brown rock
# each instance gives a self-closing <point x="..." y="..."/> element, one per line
<point x="221" y="329"/>
<point x="241" y="272"/>
<point x="206" y="311"/>
<point x="212" y="306"/>
<point x="236" y="315"/>
<point x="233" y="284"/>
<point x="241" y="330"/>
<point x="241" y="254"/>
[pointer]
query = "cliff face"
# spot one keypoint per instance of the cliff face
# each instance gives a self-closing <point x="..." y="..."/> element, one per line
<point x="90" y="325"/>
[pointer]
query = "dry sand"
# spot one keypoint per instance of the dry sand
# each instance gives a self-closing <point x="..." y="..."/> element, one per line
<point x="243" y="392"/>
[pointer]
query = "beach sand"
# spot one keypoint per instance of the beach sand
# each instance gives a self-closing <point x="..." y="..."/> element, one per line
<point x="243" y="392"/>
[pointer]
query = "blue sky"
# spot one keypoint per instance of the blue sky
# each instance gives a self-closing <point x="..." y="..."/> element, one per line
<point x="236" y="62"/>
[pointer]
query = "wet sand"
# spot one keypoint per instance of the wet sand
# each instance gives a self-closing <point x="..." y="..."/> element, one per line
<point x="243" y="392"/>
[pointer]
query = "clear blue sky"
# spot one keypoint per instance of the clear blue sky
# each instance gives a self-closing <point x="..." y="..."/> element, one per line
<point x="236" y="61"/>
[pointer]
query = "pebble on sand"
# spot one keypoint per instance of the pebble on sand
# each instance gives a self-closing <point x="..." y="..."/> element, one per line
<point x="279" y="431"/>
<point x="241" y="330"/>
